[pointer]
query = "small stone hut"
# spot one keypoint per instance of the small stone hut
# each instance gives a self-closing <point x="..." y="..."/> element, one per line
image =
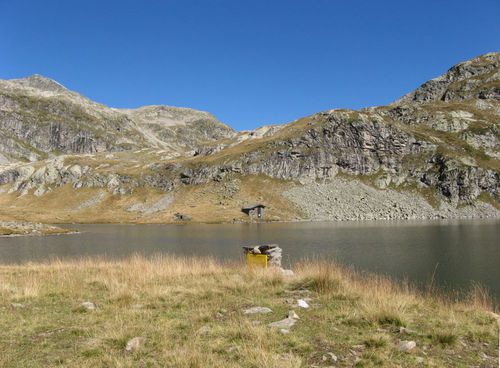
<point x="254" y="210"/>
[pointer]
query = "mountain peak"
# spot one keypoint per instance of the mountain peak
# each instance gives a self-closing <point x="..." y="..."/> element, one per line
<point x="40" y="82"/>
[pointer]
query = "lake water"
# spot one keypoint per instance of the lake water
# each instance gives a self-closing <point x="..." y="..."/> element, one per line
<point x="457" y="251"/>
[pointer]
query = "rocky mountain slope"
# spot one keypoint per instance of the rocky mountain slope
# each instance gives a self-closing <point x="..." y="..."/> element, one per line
<point x="434" y="153"/>
<point x="39" y="118"/>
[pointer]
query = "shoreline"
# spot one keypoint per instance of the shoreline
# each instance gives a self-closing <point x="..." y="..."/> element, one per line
<point x="54" y="229"/>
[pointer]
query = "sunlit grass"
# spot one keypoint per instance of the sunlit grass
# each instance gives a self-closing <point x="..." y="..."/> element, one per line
<point x="190" y="313"/>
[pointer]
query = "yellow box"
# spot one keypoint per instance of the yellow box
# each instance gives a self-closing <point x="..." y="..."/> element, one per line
<point x="257" y="260"/>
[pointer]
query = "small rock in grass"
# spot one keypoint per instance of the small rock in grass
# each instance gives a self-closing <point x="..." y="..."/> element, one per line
<point x="483" y="356"/>
<point x="302" y="304"/>
<point x="256" y="310"/>
<point x="404" y="330"/>
<point x="284" y="331"/>
<point x="17" y="305"/>
<point x="407" y="345"/>
<point x="134" y="344"/>
<point x="330" y="357"/>
<point x="88" y="306"/>
<point x="287" y="323"/>
<point x="420" y="360"/>
<point x="292" y="314"/>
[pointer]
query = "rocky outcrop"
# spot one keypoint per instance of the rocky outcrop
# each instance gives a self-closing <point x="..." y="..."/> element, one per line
<point x="472" y="79"/>
<point x="358" y="144"/>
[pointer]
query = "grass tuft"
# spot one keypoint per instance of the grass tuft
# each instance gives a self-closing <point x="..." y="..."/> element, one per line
<point x="444" y="338"/>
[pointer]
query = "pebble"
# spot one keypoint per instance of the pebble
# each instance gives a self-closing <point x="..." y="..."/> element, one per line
<point x="88" y="306"/>
<point x="302" y="304"/>
<point x="404" y="330"/>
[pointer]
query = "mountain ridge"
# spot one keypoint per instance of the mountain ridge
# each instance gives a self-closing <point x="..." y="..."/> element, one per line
<point x="438" y="145"/>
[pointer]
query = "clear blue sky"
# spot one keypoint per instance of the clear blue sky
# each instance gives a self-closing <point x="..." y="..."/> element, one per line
<point x="248" y="62"/>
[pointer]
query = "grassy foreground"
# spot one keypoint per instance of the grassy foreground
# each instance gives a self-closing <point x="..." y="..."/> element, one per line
<point x="189" y="313"/>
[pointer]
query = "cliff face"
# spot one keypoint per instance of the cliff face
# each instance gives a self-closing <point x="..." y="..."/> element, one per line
<point x="439" y="142"/>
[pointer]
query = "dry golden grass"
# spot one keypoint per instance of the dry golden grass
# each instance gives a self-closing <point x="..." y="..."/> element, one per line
<point x="204" y="203"/>
<point x="190" y="313"/>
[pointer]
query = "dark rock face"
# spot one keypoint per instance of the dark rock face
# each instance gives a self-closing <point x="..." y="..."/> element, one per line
<point x="8" y="176"/>
<point x="461" y="182"/>
<point x="357" y="147"/>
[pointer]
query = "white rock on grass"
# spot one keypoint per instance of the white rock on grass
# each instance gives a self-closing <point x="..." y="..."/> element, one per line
<point x="287" y="323"/>
<point x="407" y="345"/>
<point x="330" y="357"/>
<point x="88" y="306"/>
<point x="302" y="304"/>
<point x="134" y="344"/>
<point x="293" y="315"/>
<point x="257" y="310"/>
